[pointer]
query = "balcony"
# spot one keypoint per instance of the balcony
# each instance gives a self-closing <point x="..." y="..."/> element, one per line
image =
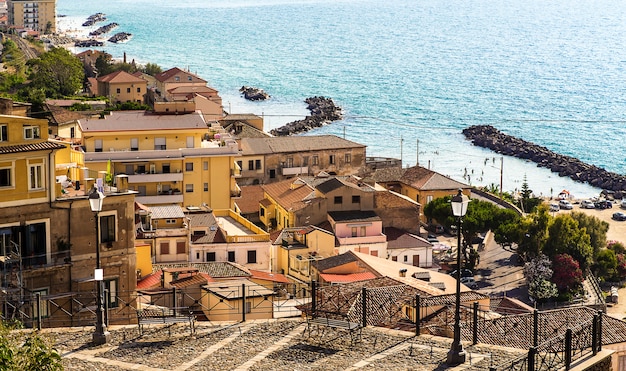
<point x="155" y="178"/>
<point x="235" y="193"/>
<point x="128" y="155"/>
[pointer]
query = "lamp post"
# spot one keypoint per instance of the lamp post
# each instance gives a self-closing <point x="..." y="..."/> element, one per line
<point x="456" y="354"/>
<point x="101" y="335"/>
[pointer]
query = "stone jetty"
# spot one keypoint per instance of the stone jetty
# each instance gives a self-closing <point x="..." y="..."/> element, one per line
<point x="487" y="136"/>
<point x="251" y="93"/>
<point x="120" y="37"/>
<point x="93" y="19"/>
<point x="104" y="29"/>
<point x="323" y="111"/>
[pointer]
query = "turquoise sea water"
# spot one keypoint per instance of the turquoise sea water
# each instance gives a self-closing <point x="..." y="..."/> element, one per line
<point x="410" y="75"/>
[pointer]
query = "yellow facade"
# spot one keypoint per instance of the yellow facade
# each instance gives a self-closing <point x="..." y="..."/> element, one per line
<point x="294" y="259"/>
<point x="144" y="260"/>
<point x="177" y="163"/>
<point x="37" y="15"/>
<point x="27" y="161"/>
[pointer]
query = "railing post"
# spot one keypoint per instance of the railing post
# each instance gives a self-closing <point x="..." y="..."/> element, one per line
<point x="535" y="328"/>
<point x="364" y="306"/>
<point x="243" y="302"/>
<point x="106" y="307"/>
<point x="531" y="358"/>
<point x="475" y="325"/>
<point x="38" y="295"/>
<point x="418" y="313"/>
<point x="599" y="331"/>
<point x="594" y="335"/>
<point x="313" y="299"/>
<point x="174" y="299"/>
<point x="568" y="348"/>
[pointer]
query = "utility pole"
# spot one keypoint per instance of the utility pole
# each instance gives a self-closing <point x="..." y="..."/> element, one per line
<point x="501" y="171"/>
<point x="417" y="153"/>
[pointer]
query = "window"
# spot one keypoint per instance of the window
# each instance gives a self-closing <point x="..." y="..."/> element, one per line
<point x="210" y="256"/>
<point x="272" y="173"/>
<point x="338" y="200"/>
<point x="5" y="177"/>
<point x="248" y="306"/>
<point x="251" y="256"/>
<point x="262" y="211"/>
<point x="159" y="144"/>
<point x="356" y="199"/>
<point x="34" y="243"/>
<point x="111" y="286"/>
<point x="134" y="144"/>
<point x="189" y="188"/>
<point x="206" y="187"/>
<point x="231" y="256"/>
<point x="118" y="90"/>
<point x="180" y="247"/>
<point x="353" y="231"/>
<point x="170" y="221"/>
<point x="363" y="231"/>
<point x="35" y="180"/>
<point x="43" y="308"/>
<point x="429" y="198"/>
<point x="394" y="258"/>
<point x="189" y="166"/>
<point x="4" y="133"/>
<point x="316" y="160"/>
<point x="176" y="78"/>
<point x="188" y="78"/>
<point x="189" y="142"/>
<point x="289" y="161"/>
<point x="141" y="169"/>
<point x="138" y="90"/>
<point x="128" y="90"/>
<point x="107" y="228"/>
<point x="348" y="158"/>
<point x="406" y="258"/>
<point x="98" y="145"/>
<point x="374" y="253"/>
<point x="240" y="164"/>
<point x="305" y="160"/>
<point x="257" y="164"/>
<point x="165" y="247"/>
<point x="331" y="159"/>
<point x="250" y="164"/>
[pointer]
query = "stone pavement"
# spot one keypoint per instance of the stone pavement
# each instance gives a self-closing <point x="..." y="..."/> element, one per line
<point x="264" y="345"/>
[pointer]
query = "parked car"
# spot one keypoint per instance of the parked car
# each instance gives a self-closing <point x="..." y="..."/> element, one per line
<point x="432" y="238"/>
<point x="464" y="273"/>
<point x="469" y="282"/>
<point x="603" y="204"/>
<point x="623" y="203"/>
<point x="554" y="207"/>
<point x="437" y="228"/>
<point x="565" y="205"/>
<point x="587" y="204"/>
<point x="620" y="216"/>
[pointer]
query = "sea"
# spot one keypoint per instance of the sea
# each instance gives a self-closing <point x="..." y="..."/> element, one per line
<point x="409" y="75"/>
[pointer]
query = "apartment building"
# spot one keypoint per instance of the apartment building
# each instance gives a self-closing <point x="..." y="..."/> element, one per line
<point x="168" y="159"/>
<point x="36" y="15"/>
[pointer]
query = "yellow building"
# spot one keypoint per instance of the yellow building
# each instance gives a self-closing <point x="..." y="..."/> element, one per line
<point x="121" y="87"/>
<point x="297" y="248"/>
<point x="169" y="159"/>
<point x="27" y="161"/>
<point x="37" y="15"/>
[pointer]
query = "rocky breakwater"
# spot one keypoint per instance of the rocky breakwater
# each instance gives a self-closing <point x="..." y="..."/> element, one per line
<point x="251" y="93"/>
<point x="487" y="136"/>
<point x="323" y="111"/>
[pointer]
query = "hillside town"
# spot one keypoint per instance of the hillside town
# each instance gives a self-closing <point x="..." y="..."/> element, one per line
<point x="183" y="223"/>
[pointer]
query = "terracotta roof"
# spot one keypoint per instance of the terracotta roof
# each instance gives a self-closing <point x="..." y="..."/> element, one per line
<point x="167" y="212"/>
<point x="143" y="121"/>
<point x="193" y="280"/>
<point x="213" y="233"/>
<point x="31" y="147"/>
<point x="169" y="74"/>
<point x="399" y="239"/>
<point x="257" y="146"/>
<point x="334" y="261"/>
<point x="354" y="216"/>
<point x="213" y="269"/>
<point x="267" y="276"/>
<point x="119" y="77"/>
<point x="426" y="180"/>
<point x="288" y="195"/>
<point x="231" y="289"/>
<point x="150" y="281"/>
<point x="250" y="198"/>
<point x="343" y="278"/>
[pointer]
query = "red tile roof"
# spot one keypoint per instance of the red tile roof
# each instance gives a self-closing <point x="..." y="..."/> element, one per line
<point x="267" y="276"/>
<point x="353" y="277"/>
<point x="193" y="280"/>
<point x="151" y="281"/>
<point x="120" y="77"/>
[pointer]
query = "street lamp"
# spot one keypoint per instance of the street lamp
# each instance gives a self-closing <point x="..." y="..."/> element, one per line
<point x="101" y="335"/>
<point x="456" y="354"/>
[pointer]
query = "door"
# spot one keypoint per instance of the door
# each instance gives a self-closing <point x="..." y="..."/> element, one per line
<point x="416" y="260"/>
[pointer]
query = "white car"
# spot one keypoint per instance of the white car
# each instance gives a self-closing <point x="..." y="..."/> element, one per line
<point x="623" y="203"/>
<point x="587" y="204"/>
<point x="565" y="205"/>
<point x="469" y="282"/>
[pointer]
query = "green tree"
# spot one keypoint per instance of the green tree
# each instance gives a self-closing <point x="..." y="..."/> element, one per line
<point x="605" y="266"/>
<point x="151" y="69"/>
<point x="528" y="203"/>
<point x="565" y="237"/>
<point x="58" y="72"/>
<point x="595" y="228"/>
<point x="528" y="235"/>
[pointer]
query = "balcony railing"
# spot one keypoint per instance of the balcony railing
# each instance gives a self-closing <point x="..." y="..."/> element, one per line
<point x="381" y="238"/>
<point x="155" y="178"/>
